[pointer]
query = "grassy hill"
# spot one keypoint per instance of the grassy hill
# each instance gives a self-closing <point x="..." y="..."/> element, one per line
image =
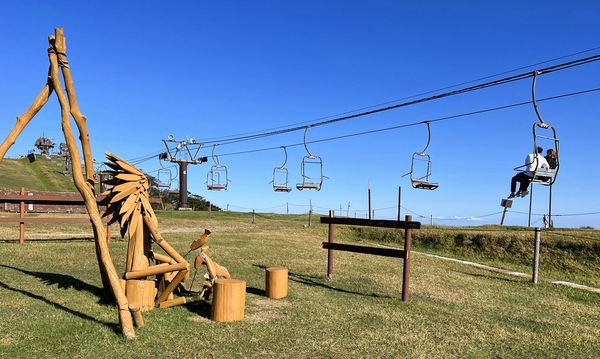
<point x="41" y="175"/>
<point x="54" y="308"/>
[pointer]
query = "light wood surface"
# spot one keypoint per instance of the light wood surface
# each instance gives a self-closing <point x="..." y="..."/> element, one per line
<point x="229" y="300"/>
<point x="276" y="282"/>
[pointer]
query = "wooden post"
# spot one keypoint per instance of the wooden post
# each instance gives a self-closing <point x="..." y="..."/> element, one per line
<point x="276" y="282"/>
<point x="536" y="255"/>
<point x="140" y="294"/>
<point x="330" y="238"/>
<point x="108" y="233"/>
<point x="310" y="213"/>
<point x="406" y="271"/>
<point x="253" y="216"/>
<point x="22" y="215"/>
<point x="369" y="199"/>
<point x="209" y="209"/>
<point x="229" y="299"/>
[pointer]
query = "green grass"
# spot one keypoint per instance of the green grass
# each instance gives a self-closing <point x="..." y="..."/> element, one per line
<point x="51" y="302"/>
<point x="40" y="175"/>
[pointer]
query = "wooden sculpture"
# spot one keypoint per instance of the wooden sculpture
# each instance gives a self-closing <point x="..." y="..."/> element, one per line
<point x="128" y="203"/>
<point x="57" y="55"/>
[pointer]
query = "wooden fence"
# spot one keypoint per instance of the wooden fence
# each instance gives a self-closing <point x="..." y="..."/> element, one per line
<point x="408" y="225"/>
<point x="59" y="198"/>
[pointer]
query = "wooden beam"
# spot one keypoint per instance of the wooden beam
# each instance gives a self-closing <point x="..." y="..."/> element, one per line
<point x="383" y="223"/>
<point x="385" y="252"/>
<point x="157" y="269"/>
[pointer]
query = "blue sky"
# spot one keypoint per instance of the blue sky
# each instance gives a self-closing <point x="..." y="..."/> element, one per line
<point x="146" y="69"/>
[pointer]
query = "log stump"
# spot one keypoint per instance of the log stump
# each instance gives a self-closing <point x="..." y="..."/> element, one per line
<point x="140" y="294"/>
<point x="229" y="299"/>
<point x="276" y="282"/>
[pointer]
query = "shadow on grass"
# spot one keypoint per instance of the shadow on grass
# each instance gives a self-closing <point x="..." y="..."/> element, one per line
<point x="201" y="308"/>
<point x="65" y="281"/>
<point x="114" y="327"/>
<point x="317" y="281"/>
<point x="256" y="291"/>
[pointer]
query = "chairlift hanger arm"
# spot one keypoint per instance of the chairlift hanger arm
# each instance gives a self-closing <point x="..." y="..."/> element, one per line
<point x="428" y="138"/>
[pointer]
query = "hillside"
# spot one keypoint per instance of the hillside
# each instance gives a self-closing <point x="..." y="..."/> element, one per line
<point x="41" y="175"/>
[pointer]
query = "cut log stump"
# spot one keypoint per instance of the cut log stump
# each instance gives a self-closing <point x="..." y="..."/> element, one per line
<point x="229" y="299"/>
<point x="140" y="294"/>
<point x="276" y="282"/>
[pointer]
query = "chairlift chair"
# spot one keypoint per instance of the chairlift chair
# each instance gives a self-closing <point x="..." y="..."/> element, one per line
<point x="422" y="182"/>
<point x="310" y="181"/>
<point x="216" y="178"/>
<point x="541" y="175"/>
<point x="164" y="178"/>
<point x="280" y="176"/>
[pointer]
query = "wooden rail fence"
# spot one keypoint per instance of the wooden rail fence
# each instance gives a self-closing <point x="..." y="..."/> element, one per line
<point x="408" y="225"/>
<point x="24" y="198"/>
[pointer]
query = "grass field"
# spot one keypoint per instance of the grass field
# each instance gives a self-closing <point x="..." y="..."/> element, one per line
<point x="53" y="306"/>
<point x="41" y="175"/>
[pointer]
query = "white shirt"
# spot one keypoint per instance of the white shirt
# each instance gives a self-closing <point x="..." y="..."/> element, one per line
<point x="534" y="162"/>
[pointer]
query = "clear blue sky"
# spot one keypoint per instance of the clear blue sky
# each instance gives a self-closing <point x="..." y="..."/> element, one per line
<point x="146" y="69"/>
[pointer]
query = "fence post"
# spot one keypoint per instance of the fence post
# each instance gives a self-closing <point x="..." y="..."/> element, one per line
<point x="310" y="214"/>
<point x="253" y="216"/>
<point x="406" y="271"/>
<point x="209" y="209"/>
<point x="22" y="215"/>
<point x="536" y="255"/>
<point x="330" y="238"/>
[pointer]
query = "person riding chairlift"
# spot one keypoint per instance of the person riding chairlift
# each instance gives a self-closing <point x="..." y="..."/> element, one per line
<point x="532" y="162"/>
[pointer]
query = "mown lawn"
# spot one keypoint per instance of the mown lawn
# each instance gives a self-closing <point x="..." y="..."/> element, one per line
<point x="52" y="304"/>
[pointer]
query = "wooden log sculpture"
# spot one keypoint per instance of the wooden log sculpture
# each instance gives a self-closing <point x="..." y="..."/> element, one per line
<point x="128" y="204"/>
<point x="57" y="56"/>
<point x="229" y="300"/>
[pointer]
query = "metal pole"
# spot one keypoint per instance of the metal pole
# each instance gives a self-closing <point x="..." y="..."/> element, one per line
<point x="431" y="219"/>
<point x="399" y="200"/>
<point x="536" y="255"/>
<point x="550" y="224"/>
<point x="330" y="238"/>
<point x="373" y="215"/>
<point x="406" y="269"/>
<point x="253" y="216"/>
<point x="369" y="193"/>
<point x="530" y="203"/>
<point x="183" y="185"/>
<point x="287" y="208"/>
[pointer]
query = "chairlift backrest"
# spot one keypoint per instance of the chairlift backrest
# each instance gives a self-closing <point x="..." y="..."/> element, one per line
<point x="164" y="178"/>
<point x="280" y="176"/>
<point x="310" y="181"/>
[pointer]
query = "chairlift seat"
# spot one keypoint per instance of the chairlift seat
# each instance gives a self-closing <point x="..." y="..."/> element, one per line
<point x="420" y="184"/>
<point x="216" y="187"/>
<point x="544" y="176"/>
<point x="314" y="186"/>
<point x="282" y="188"/>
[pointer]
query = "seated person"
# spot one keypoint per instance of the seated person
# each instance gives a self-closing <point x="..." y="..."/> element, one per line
<point x="532" y="162"/>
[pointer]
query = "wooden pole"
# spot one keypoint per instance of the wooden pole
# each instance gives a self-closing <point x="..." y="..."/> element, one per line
<point x="157" y="269"/>
<point x="209" y="209"/>
<point x="536" y="255"/>
<point x="330" y="239"/>
<point x="171" y="287"/>
<point x="107" y="269"/>
<point x="253" y="216"/>
<point x="369" y="199"/>
<point x="22" y="215"/>
<point x="310" y="213"/>
<point x="406" y="270"/>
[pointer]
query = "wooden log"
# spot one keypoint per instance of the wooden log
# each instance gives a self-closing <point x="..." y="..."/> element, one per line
<point x="171" y="287"/>
<point x="229" y="299"/>
<point x="276" y="282"/>
<point x="173" y="302"/>
<point x="107" y="270"/>
<point x="140" y="294"/>
<point x="157" y="269"/>
<point x="138" y="319"/>
<point x="163" y="258"/>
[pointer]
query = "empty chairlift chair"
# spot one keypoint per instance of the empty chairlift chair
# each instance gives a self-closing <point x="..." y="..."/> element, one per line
<point x="420" y="180"/>
<point x="311" y="170"/>
<point x="280" y="176"/>
<point x="216" y="178"/>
